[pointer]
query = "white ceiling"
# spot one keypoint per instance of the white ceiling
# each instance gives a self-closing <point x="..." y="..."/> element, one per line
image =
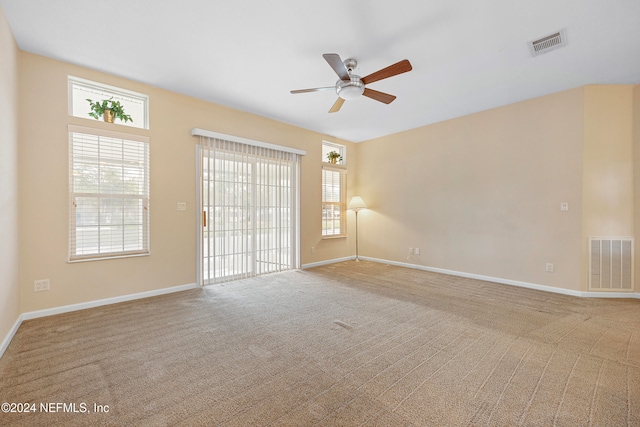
<point x="467" y="55"/>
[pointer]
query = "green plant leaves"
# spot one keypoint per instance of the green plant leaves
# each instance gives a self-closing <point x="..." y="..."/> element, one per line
<point x="98" y="108"/>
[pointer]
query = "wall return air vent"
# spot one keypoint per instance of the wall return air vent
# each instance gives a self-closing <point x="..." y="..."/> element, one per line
<point x="611" y="264"/>
<point x="548" y="43"/>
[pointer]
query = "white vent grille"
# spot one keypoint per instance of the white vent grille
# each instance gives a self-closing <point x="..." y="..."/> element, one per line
<point x="611" y="263"/>
<point x="548" y="43"/>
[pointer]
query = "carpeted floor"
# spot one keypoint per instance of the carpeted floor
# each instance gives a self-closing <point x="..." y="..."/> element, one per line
<point x="348" y="344"/>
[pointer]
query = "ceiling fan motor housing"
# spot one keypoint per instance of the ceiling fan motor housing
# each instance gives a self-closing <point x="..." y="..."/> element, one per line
<point x="350" y="64"/>
<point x="351" y="89"/>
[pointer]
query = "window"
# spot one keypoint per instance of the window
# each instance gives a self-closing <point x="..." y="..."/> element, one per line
<point x="109" y="194"/>
<point x="334" y="192"/>
<point x="334" y="217"/>
<point x="328" y="147"/>
<point x="135" y="104"/>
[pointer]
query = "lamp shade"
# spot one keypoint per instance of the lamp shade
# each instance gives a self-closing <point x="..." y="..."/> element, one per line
<point x="356" y="203"/>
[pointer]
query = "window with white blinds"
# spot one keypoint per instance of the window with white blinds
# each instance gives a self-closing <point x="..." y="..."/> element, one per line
<point x="334" y="202"/>
<point x="109" y="194"/>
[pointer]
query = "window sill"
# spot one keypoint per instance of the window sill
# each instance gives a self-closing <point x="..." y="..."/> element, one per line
<point x="73" y="261"/>
<point x="340" y="236"/>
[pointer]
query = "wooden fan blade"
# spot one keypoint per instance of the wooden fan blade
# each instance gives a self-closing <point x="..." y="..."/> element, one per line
<point x="338" y="66"/>
<point x="392" y="70"/>
<point x="315" y="89"/>
<point x="337" y="105"/>
<point x="379" y="96"/>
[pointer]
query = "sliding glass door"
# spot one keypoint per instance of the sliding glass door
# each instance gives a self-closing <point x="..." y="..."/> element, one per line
<point x="249" y="210"/>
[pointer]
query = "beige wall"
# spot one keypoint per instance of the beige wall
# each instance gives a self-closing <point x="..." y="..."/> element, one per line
<point x="481" y="194"/>
<point x="608" y="161"/>
<point x="9" y="266"/>
<point x="636" y="180"/>
<point x="43" y="173"/>
<point x="607" y="190"/>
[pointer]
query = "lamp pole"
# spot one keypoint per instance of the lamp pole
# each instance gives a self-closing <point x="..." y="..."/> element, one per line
<point x="355" y="205"/>
<point x="356" y="211"/>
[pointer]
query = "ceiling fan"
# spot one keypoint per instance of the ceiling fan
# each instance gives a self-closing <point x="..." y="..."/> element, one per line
<point x="351" y="86"/>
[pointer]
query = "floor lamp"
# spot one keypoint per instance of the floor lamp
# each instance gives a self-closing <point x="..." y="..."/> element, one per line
<point x="355" y="204"/>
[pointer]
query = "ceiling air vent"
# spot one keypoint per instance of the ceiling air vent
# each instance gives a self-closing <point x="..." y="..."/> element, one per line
<point x="548" y="43"/>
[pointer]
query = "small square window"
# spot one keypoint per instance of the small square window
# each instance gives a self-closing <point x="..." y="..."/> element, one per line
<point x="340" y="151"/>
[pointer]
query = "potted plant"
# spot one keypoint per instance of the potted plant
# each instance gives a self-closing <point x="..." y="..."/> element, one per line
<point x="334" y="157"/>
<point x="109" y="110"/>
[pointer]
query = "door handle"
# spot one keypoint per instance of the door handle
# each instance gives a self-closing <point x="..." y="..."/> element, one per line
<point x="204" y="219"/>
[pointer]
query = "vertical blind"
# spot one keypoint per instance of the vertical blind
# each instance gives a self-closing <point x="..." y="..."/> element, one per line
<point x="250" y="210"/>
<point x="109" y="194"/>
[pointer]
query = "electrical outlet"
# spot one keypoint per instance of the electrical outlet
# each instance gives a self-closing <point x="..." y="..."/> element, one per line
<point x="417" y="250"/>
<point x="410" y="251"/>
<point x="564" y="207"/>
<point x="181" y="206"/>
<point x="549" y="268"/>
<point x="41" y="285"/>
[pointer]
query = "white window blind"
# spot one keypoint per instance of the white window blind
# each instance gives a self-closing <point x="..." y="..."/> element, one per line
<point x="334" y="195"/>
<point x="109" y="194"/>
<point x="250" y="210"/>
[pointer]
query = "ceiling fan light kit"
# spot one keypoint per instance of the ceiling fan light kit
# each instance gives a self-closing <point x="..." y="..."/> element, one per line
<point x="351" y="86"/>
<point x="351" y="89"/>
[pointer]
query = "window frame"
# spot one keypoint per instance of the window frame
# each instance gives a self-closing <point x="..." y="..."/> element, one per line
<point x="144" y="198"/>
<point x="109" y="91"/>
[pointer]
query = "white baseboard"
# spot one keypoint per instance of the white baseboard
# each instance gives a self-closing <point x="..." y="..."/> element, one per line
<point x="600" y="294"/>
<point x="509" y="282"/>
<point x="327" y="262"/>
<point x="84" y="305"/>
<point x="10" y="335"/>
<point x="97" y="303"/>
